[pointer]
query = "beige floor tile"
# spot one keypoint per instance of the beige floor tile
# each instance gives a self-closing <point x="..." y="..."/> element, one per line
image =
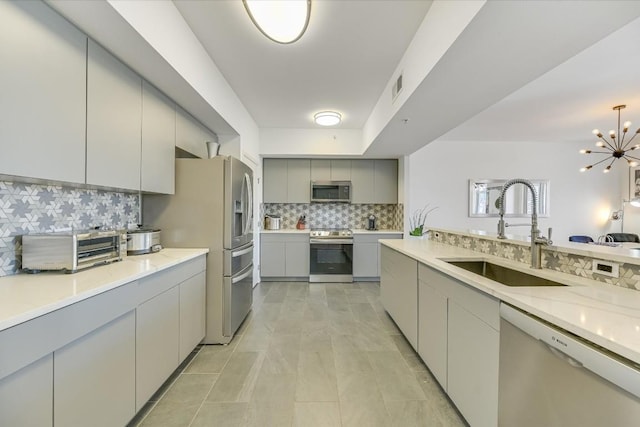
<point x="316" y="380"/>
<point x="315" y="341"/>
<point x="413" y="413"/>
<point x="399" y="387"/>
<point x="370" y="413"/>
<point x="388" y="361"/>
<point x="190" y="388"/>
<point x="237" y="381"/>
<point x="358" y="387"/>
<point x="221" y="414"/>
<point x="269" y="414"/>
<point x="170" y="414"/>
<point x="211" y="359"/>
<point x="274" y="388"/>
<point x="351" y="361"/>
<point x="316" y="414"/>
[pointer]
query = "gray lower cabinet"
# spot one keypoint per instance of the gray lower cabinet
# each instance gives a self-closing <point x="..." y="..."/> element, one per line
<point x="94" y="377"/>
<point x="157" y="170"/>
<point x="157" y="342"/>
<point x="458" y="339"/>
<point x="26" y="396"/>
<point x="192" y="313"/>
<point x="284" y="255"/>
<point x="399" y="291"/>
<point x="114" y="121"/>
<point x="366" y="254"/>
<point x="43" y="93"/>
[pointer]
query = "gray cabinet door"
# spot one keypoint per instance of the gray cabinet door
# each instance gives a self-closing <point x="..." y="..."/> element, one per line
<point x="297" y="259"/>
<point x="341" y="170"/>
<point x="26" y="396"/>
<point x="472" y="369"/>
<point x="362" y="181"/>
<point x="192" y="313"/>
<point x="365" y="259"/>
<point x="157" y="172"/>
<point x="386" y="181"/>
<point x="320" y="170"/>
<point x="157" y="342"/>
<point x="114" y="120"/>
<point x="272" y="259"/>
<point x="275" y="181"/>
<point x="298" y="181"/>
<point x="43" y="93"/>
<point x="190" y="136"/>
<point x="432" y="330"/>
<point x="95" y="377"/>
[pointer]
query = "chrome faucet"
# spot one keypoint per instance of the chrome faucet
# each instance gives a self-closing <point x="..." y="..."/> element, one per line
<point x="537" y="241"/>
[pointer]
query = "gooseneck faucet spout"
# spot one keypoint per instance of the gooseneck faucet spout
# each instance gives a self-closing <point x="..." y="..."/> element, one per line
<point x="537" y="241"/>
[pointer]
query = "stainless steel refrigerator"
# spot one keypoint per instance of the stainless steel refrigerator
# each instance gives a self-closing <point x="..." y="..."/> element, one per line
<point x="212" y="208"/>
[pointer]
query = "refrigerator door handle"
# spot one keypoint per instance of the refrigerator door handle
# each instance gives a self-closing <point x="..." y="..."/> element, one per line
<point x="249" y="205"/>
<point x="242" y="252"/>
<point x="243" y="276"/>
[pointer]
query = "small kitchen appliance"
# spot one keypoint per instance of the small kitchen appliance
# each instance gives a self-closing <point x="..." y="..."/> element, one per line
<point x="272" y="222"/>
<point x="72" y="251"/>
<point x="143" y="241"/>
<point x="330" y="191"/>
<point x="372" y="222"/>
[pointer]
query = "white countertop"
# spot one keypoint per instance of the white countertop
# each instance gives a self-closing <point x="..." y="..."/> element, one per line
<point x="355" y="231"/>
<point x="26" y="296"/>
<point x="606" y="315"/>
<point x="286" y="230"/>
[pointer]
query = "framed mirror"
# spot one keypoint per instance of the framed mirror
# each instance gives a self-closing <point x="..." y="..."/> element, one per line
<point x="485" y="193"/>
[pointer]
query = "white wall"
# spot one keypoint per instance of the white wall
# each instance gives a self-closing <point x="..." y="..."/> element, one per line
<point x="276" y="142"/>
<point x="580" y="202"/>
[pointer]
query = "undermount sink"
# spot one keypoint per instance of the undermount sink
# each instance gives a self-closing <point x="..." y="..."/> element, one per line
<point x="504" y="275"/>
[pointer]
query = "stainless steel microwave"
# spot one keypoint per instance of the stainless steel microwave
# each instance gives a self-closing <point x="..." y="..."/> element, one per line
<point x="331" y="191"/>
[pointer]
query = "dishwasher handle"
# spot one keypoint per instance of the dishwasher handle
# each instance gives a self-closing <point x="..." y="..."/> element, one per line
<point x="563" y="356"/>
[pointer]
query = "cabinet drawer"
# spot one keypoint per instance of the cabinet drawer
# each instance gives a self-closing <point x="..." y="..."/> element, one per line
<point x="285" y="237"/>
<point x="157" y="283"/>
<point x="477" y="302"/>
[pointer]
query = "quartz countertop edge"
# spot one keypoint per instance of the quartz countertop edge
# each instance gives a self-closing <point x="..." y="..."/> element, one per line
<point x="604" y="314"/>
<point x="286" y="230"/>
<point x="355" y="231"/>
<point x="24" y="296"/>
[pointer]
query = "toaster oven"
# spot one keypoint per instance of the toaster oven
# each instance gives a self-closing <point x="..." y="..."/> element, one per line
<point x="72" y="251"/>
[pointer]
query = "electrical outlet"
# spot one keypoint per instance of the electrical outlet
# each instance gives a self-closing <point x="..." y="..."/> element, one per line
<point x="606" y="268"/>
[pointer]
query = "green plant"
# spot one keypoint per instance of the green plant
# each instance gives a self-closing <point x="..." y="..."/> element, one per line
<point x="418" y="219"/>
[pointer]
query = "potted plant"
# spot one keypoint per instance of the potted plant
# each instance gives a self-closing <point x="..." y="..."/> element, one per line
<point x="418" y="219"/>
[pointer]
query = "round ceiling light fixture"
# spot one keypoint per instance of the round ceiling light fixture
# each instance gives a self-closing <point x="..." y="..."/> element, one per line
<point x="283" y="21"/>
<point x="327" y="118"/>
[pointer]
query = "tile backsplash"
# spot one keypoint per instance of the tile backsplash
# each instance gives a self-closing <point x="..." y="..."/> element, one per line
<point x="336" y="215"/>
<point x="34" y="208"/>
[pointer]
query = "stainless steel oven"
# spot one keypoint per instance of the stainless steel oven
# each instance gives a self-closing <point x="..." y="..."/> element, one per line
<point x="331" y="256"/>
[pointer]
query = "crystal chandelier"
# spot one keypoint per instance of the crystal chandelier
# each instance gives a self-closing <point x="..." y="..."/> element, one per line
<point x="615" y="147"/>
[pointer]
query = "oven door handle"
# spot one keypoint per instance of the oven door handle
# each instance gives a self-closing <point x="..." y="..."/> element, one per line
<point x="332" y="241"/>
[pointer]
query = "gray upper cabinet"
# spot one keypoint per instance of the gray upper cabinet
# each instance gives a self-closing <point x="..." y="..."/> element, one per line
<point x="330" y="170"/>
<point x="386" y="181"/>
<point x="43" y="87"/>
<point x="157" y="172"/>
<point x="275" y="181"/>
<point x="287" y="181"/>
<point x="191" y="135"/>
<point x="298" y="181"/>
<point x="362" y="181"/>
<point x="114" y="117"/>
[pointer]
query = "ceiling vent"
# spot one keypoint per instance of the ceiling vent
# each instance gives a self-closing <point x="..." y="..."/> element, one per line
<point x="397" y="88"/>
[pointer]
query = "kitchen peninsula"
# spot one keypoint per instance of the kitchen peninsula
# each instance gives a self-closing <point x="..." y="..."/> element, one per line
<point x="461" y="344"/>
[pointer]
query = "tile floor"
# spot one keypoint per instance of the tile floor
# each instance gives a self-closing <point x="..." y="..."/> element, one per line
<point x="307" y="355"/>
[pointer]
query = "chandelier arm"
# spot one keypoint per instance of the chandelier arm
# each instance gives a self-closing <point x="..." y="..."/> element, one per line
<point x="603" y="160"/>
<point x="610" y="146"/>
<point x="631" y="157"/>
<point x="629" y="141"/>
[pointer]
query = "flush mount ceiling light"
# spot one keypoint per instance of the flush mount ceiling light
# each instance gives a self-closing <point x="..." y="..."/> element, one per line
<point x="327" y="118"/>
<point x="283" y="21"/>
<point x="615" y="147"/>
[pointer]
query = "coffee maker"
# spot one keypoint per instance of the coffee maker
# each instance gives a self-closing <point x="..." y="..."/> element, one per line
<point x="372" y="222"/>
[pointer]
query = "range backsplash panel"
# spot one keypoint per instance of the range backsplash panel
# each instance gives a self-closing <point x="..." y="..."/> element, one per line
<point x="33" y="208"/>
<point x="336" y="215"/>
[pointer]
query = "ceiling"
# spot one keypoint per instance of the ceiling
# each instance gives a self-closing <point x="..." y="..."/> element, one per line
<point x="343" y="62"/>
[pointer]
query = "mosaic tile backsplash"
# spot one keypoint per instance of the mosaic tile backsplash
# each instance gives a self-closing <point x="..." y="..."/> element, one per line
<point x="32" y="208"/>
<point x="576" y="265"/>
<point x="336" y="215"/>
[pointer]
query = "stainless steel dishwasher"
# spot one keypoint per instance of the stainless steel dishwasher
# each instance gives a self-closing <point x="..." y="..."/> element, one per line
<point x="550" y="377"/>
